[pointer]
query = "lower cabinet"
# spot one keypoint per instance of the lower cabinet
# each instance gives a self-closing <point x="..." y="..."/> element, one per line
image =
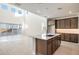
<point x="47" y="47"/>
<point x="56" y="43"/>
<point x="62" y="36"/>
<point x="41" y="46"/>
<point x="59" y="40"/>
<point x="74" y="38"/>
<point x="69" y="37"/>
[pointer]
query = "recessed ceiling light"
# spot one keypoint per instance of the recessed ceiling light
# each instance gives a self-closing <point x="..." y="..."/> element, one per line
<point x="70" y="12"/>
<point x="46" y="8"/>
<point x="46" y="16"/>
<point x="59" y="8"/>
<point x="38" y="11"/>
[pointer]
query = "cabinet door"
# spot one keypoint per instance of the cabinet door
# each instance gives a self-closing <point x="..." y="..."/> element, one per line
<point x="54" y="44"/>
<point x="49" y="47"/>
<point x="55" y="24"/>
<point x="61" y="24"/>
<point x="74" y="23"/>
<point x="67" y="23"/>
<point x="59" y="40"/>
<point x="41" y="46"/>
<point x="58" y="24"/>
<point x="49" y="50"/>
<point x="62" y="37"/>
<point x="74" y="38"/>
<point x="67" y="37"/>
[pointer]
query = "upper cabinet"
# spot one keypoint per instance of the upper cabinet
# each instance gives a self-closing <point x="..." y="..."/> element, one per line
<point x="74" y="23"/>
<point x="68" y="23"/>
<point x="59" y="24"/>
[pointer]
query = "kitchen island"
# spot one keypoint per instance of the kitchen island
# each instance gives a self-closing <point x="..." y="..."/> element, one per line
<point x="47" y="45"/>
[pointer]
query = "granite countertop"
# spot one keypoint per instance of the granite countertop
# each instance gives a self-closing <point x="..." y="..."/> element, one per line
<point x="45" y="37"/>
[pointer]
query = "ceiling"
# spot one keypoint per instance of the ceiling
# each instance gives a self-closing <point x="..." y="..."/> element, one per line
<point x="51" y="10"/>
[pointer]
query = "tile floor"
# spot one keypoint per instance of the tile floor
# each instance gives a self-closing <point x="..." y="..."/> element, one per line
<point x="16" y="45"/>
<point x="68" y="48"/>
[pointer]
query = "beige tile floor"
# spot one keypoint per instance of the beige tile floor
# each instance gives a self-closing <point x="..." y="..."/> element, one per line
<point x="16" y="45"/>
<point x="68" y="48"/>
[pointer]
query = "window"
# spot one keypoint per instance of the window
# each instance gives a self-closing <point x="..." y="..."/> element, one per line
<point x="4" y="6"/>
<point x="13" y="10"/>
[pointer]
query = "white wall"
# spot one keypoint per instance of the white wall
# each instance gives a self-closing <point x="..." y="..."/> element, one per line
<point x="35" y="24"/>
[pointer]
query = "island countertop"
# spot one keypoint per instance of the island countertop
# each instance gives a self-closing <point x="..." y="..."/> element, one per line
<point x="45" y="37"/>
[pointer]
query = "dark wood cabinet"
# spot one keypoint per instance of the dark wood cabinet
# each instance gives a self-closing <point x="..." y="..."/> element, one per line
<point x="60" y="24"/>
<point x="70" y="38"/>
<point x="57" y="23"/>
<point x="47" y="47"/>
<point x="74" y="38"/>
<point x="59" y="40"/>
<point x="41" y="46"/>
<point x="67" y="37"/>
<point x="74" y="23"/>
<point x="54" y="45"/>
<point x="62" y="36"/>
<point x="68" y="23"/>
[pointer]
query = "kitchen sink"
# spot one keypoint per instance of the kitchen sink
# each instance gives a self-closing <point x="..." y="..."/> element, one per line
<point x="49" y="35"/>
